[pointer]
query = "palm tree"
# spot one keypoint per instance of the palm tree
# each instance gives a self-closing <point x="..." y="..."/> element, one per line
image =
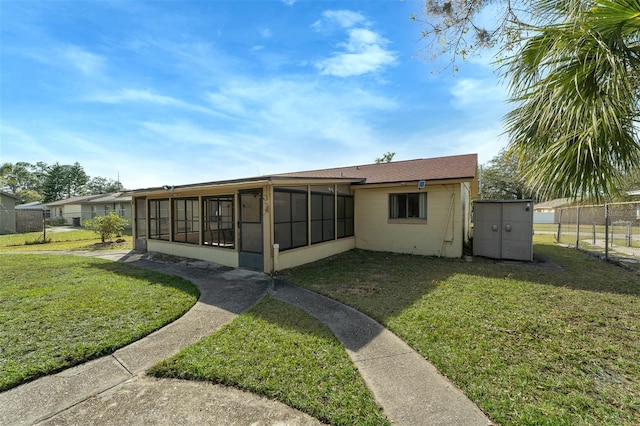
<point x="575" y="84"/>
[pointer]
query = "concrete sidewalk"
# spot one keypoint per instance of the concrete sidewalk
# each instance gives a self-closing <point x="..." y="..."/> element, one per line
<point x="114" y="390"/>
<point x="407" y="387"/>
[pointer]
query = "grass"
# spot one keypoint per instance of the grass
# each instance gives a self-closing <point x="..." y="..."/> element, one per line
<point x="79" y="239"/>
<point x="58" y="311"/>
<point x="529" y="345"/>
<point x="283" y="353"/>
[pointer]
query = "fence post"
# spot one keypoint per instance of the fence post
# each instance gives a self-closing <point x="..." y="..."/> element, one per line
<point x="594" y="233"/>
<point x="559" y="225"/>
<point x="606" y="231"/>
<point x="44" y="225"/>
<point x="628" y="235"/>
<point x="578" y="229"/>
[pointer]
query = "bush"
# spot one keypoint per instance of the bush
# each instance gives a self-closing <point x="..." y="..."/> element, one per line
<point x="58" y="221"/>
<point x="106" y="226"/>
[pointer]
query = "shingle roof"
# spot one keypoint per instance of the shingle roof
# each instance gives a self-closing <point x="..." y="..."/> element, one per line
<point x="75" y="200"/>
<point x="440" y="168"/>
<point x="116" y="197"/>
<point x="14" y="196"/>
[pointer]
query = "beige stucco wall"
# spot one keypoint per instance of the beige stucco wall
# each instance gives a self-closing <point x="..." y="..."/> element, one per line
<point x="224" y="257"/>
<point x="303" y="255"/>
<point x="441" y="234"/>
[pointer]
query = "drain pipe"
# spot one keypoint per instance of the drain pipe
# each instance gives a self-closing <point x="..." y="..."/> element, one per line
<point x="444" y="234"/>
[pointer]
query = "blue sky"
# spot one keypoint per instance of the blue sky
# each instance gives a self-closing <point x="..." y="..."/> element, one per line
<point x="178" y="92"/>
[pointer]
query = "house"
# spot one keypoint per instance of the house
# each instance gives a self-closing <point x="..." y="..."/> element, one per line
<point x="8" y="204"/>
<point x="546" y="212"/>
<point x="275" y="222"/>
<point x="74" y="210"/>
<point x="115" y="202"/>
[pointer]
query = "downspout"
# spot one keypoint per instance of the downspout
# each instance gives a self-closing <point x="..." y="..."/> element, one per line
<point x="444" y="234"/>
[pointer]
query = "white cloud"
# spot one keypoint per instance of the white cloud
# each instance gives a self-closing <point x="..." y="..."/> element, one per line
<point x="289" y="2"/>
<point x="86" y="62"/>
<point x="469" y="92"/>
<point x="266" y="33"/>
<point x="344" y="18"/>
<point x="148" y="97"/>
<point x="135" y="95"/>
<point x="186" y="133"/>
<point x="364" y="52"/>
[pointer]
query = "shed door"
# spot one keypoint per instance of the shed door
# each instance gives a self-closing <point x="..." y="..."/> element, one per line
<point x="487" y="230"/>
<point x="517" y="225"/>
<point x="250" y="226"/>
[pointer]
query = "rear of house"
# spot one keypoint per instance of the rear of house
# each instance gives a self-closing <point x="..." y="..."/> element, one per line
<point x="271" y="223"/>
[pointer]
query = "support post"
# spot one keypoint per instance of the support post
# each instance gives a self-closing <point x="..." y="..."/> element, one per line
<point x="606" y="231"/>
<point x="578" y="229"/>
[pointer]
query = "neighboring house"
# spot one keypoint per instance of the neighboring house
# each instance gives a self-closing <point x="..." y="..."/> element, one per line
<point x="77" y="209"/>
<point x="116" y="202"/>
<point x="546" y="212"/>
<point x="270" y="223"/>
<point x="29" y="216"/>
<point x="8" y="204"/>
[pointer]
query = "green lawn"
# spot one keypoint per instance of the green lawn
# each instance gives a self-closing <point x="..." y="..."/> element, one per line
<point x="283" y="353"/>
<point x="78" y="239"/>
<point x="529" y="345"/>
<point x="58" y="311"/>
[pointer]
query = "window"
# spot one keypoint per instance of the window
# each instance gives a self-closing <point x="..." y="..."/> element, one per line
<point x="218" y="229"/>
<point x="322" y="216"/>
<point x="345" y="216"/>
<point x="290" y="217"/>
<point x="408" y="206"/>
<point x="186" y="220"/>
<point x="159" y="219"/>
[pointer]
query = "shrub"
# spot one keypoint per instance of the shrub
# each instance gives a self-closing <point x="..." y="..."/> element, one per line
<point x="58" y="221"/>
<point x="106" y="226"/>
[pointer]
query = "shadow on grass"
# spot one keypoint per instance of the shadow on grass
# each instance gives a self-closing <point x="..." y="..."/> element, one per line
<point x="377" y="275"/>
<point x="131" y="270"/>
<point x="232" y="295"/>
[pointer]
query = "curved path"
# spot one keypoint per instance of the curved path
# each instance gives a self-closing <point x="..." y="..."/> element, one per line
<point x="114" y="389"/>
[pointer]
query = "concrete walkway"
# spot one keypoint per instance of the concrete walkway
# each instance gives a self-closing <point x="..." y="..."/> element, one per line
<point x="408" y="388"/>
<point x="114" y="389"/>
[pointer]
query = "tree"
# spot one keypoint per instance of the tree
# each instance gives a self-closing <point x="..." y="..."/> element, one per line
<point x="28" y="195"/>
<point x="573" y="70"/>
<point x="454" y="28"/>
<point x="101" y="185"/>
<point x="576" y="85"/>
<point x="54" y="187"/>
<point x="386" y="158"/>
<point x="501" y="179"/>
<point x="106" y="226"/>
<point x="64" y="181"/>
<point x="18" y="176"/>
<point x="75" y="180"/>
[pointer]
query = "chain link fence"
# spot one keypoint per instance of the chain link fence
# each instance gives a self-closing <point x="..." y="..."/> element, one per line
<point x="611" y="230"/>
<point x="21" y="221"/>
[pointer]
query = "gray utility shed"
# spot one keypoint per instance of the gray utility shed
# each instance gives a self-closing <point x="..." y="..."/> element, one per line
<point x="503" y="229"/>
